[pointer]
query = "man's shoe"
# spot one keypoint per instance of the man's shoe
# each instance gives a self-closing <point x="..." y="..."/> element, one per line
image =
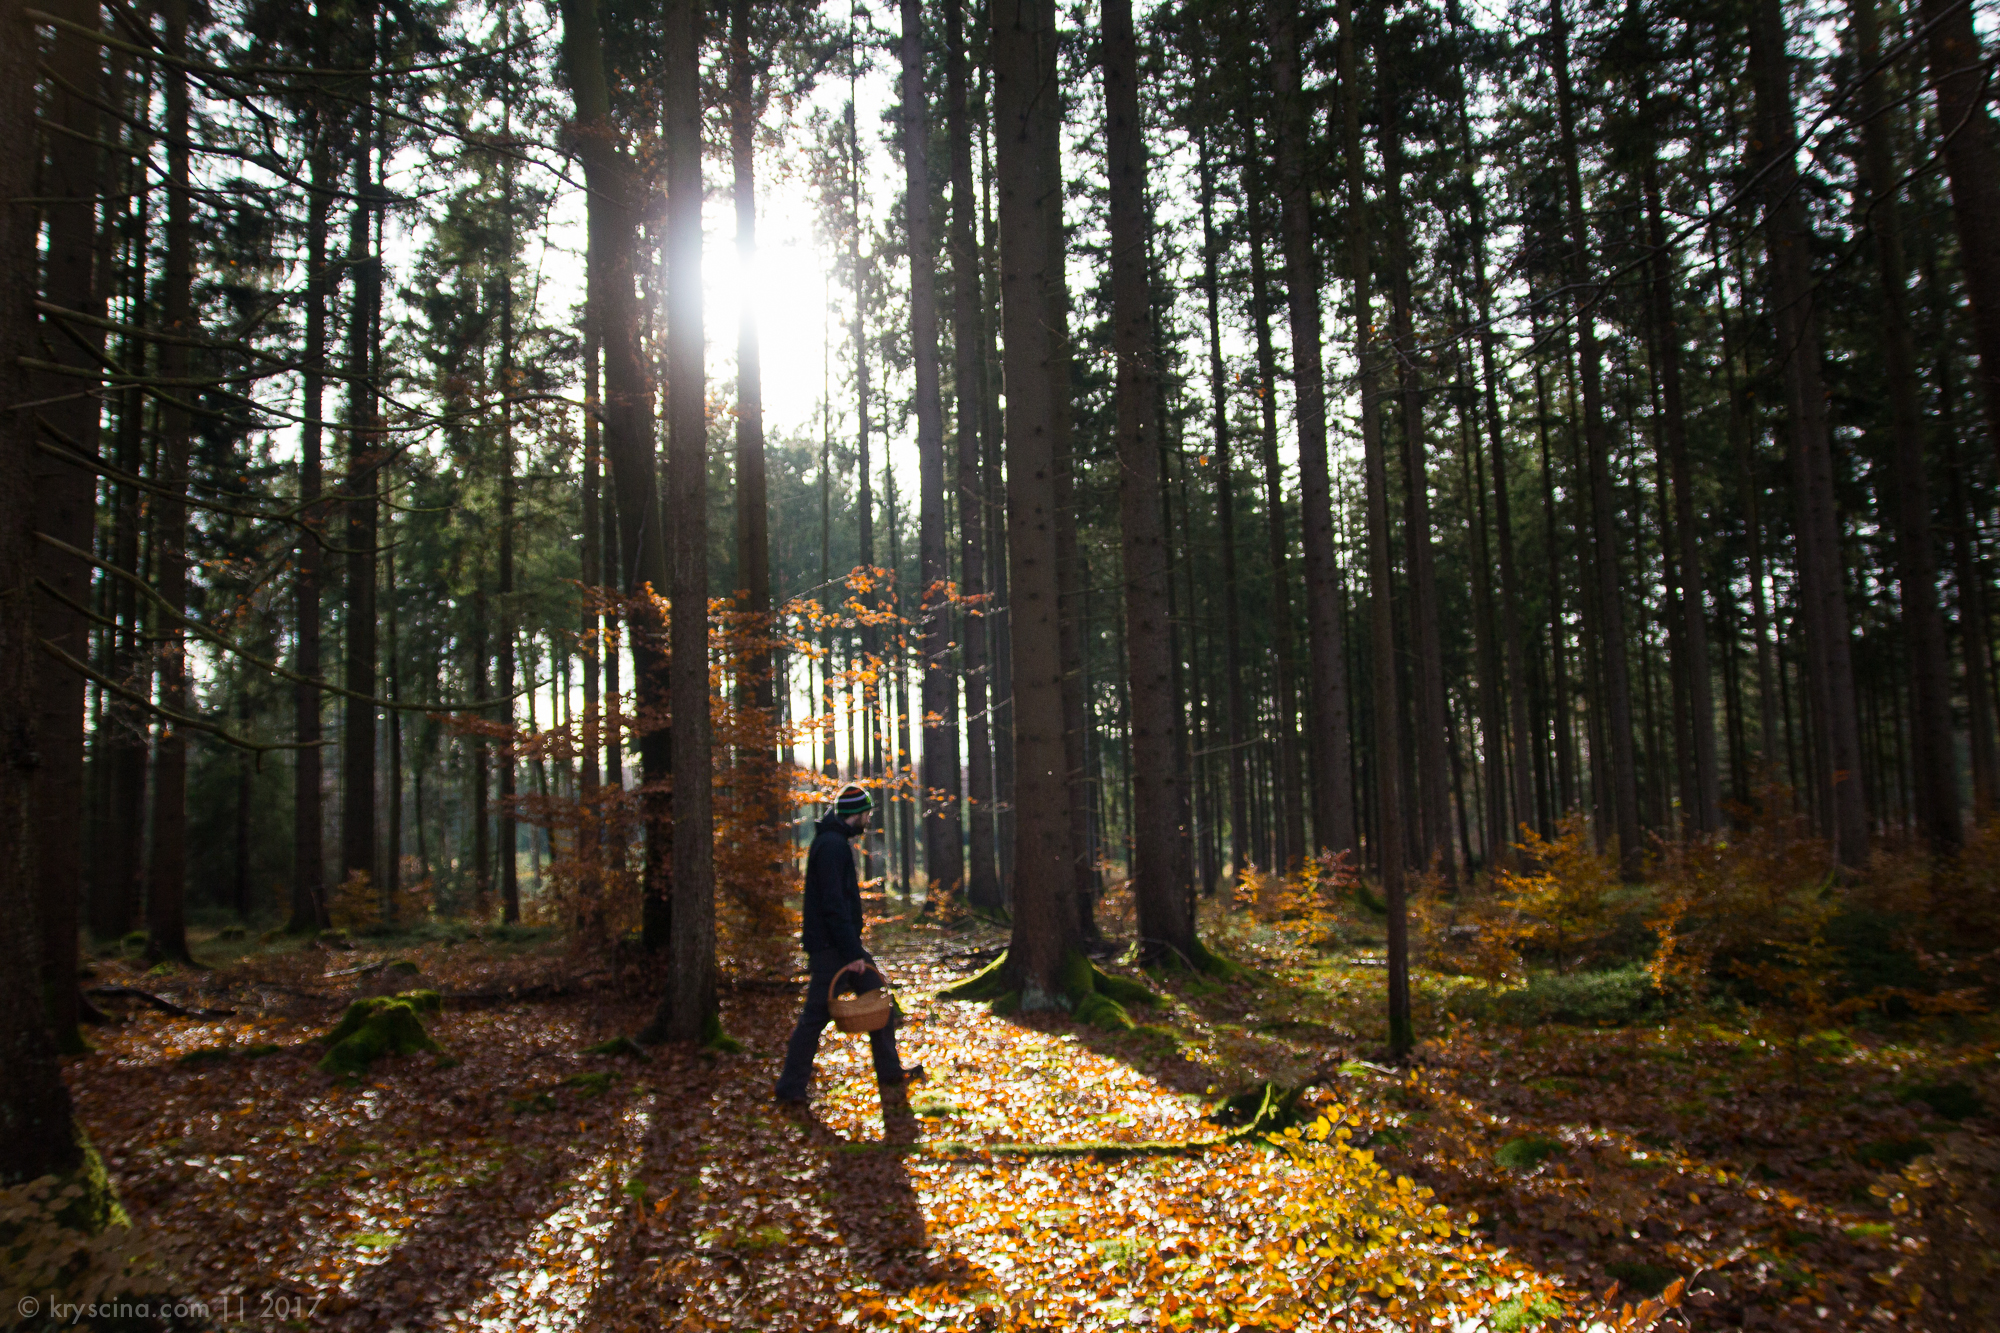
<point x="911" y="1074"/>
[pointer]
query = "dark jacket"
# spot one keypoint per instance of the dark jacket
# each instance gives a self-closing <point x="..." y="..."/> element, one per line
<point x="833" y="893"/>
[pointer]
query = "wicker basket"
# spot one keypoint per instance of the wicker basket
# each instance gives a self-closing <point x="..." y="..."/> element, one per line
<point x="866" y="1012"/>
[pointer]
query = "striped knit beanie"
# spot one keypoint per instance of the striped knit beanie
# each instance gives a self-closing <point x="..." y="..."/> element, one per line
<point x="852" y="800"/>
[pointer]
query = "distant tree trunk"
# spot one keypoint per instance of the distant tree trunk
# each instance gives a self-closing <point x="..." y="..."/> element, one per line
<point x="65" y="505"/>
<point x="166" y="905"/>
<point x="1161" y="871"/>
<point x="753" y="517"/>
<point x="1830" y="671"/>
<point x="392" y="859"/>
<point x="641" y="556"/>
<point x="688" y="1010"/>
<point x="308" y="909"/>
<point x="1432" y="715"/>
<point x="944" y="856"/>
<point x="1287" y="798"/>
<point x="970" y="389"/>
<point x="1972" y="164"/>
<point x="1561" y="702"/>
<point x="510" y="867"/>
<point x="1225" y="512"/>
<point x="1381" y="572"/>
<point x="1046" y="929"/>
<point x="1933" y="758"/>
<point x="1706" y="797"/>
<point x="358" y="843"/>
<point x="1623" y="773"/>
<point x="595" y="641"/>
<point x="40" y="1135"/>
<point x="1333" y="799"/>
<point x="482" y="761"/>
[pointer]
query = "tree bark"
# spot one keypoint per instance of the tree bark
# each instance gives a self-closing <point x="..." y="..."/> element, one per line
<point x="1933" y="759"/>
<point x="308" y="906"/>
<point x="1622" y="775"/>
<point x="65" y="505"/>
<point x="944" y="856"/>
<point x="1046" y="929"/>
<point x="38" y="1135"/>
<point x="1333" y="799"/>
<point x="971" y="391"/>
<point x="1972" y="165"/>
<point x="1161" y="870"/>
<point x="1225" y="514"/>
<point x="688" y="1010"/>
<point x="510" y="859"/>
<point x="1830" y="670"/>
<point x="166" y="906"/>
<point x="1381" y="573"/>
<point x="1432" y="718"/>
<point x="640" y="550"/>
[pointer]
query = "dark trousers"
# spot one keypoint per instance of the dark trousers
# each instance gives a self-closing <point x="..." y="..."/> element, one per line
<point x="825" y="964"/>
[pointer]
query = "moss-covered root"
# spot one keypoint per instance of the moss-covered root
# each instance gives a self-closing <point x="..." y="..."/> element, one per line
<point x="619" y="1046"/>
<point x="713" y="1038"/>
<point x="386" y="1025"/>
<point x="1215" y="965"/>
<point x="988" y="983"/>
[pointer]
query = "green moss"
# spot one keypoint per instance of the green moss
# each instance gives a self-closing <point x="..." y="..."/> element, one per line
<point x="1525" y="1153"/>
<point x="1523" y="1313"/>
<point x="1122" y="989"/>
<point x="386" y="1025"/>
<point x="1008" y="1002"/>
<point x="713" y="1038"/>
<point x="591" y="1084"/>
<point x="1077" y="979"/>
<point x="619" y="1046"/>
<point x="1215" y="965"/>
<point x="1101" y="1011"/>
<point x="988" y="983"/>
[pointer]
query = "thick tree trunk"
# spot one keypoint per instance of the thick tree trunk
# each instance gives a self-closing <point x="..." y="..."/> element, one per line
<point x="944" y="857"/>
<point x="1333" y="800"/>
<point x="166" y="906"/>
<point x="1705" y="800"/>
<point x="1972" y="164"/>
<point x="688" y="1010"/>
<point x="38" y="1136"/>
<point x="65" y="506"/>
<point x="1381" y="572"/>
<point x="1836" y="775"/>
<point x="970" y="390"/>
<point x="1046" y="929"/>
<point x="1161" y="870"/>
<point x="1933" y="760"/>
<point x="1432" y="718"/>
<point x="1225" y="513"/>
<point x="640" y="549"/>
<point x="1622" y="794"/>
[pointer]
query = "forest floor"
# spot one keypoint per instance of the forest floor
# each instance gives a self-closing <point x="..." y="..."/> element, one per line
<point x="516" y="1182"/>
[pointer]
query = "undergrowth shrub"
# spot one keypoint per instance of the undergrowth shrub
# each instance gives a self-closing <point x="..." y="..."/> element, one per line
<point x="1315" y="908"/>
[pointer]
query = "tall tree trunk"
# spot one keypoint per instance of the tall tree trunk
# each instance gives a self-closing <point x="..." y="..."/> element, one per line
<point x="1705" y="801"/>
<point x="40" y="1136"/>
<point x="1561" y="702"/>
<point x="1622" y="795"/>
<point x="944" y="856"/>
<point x="1972" y="164"/>
<point x="481" y="760"/>
<point x="753" y="516"/>
<point x="688" y="1010"/>
<point x="1933" y="757"/>
<point x="1292" y="825"/>
<point x="1788" y="239"/>
<point x="640" y="550"/>
<point x="1161" y="871"/>
<point x="1381" y="572"/>
<point x="970" y="390"/>
<point x="1333" y="800"/>
<point x="1046" y="929"/>
<point x="65" y="505"/>
<point x="1432" y="716"/>
<point x="308" y="905"/>
<point x="595" y="640"/>
<point x="358" y="849"/>
<point x="509" y="841"/>
<point x="1225" y="513"/>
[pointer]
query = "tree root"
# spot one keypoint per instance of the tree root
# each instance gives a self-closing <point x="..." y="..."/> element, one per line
<point x="160" y="1003"/>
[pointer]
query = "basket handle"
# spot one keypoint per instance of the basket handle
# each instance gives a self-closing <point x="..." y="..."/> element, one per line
<point x="856" y="966"/>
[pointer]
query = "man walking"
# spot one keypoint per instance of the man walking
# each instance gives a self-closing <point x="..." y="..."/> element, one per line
<point x="831" y="933"/>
